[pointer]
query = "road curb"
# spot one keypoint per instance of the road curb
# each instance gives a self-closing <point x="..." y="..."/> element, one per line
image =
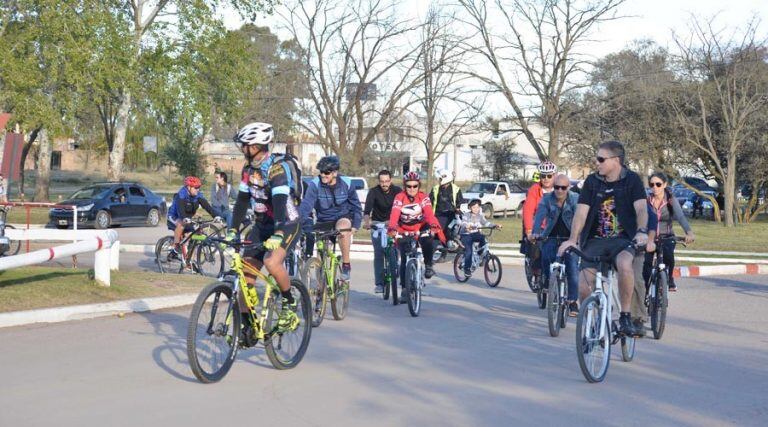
<point x="90" y="311"/>
<point x="720" y="270"/>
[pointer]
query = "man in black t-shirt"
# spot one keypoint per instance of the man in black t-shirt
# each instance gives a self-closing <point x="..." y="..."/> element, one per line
<point x="611" y="212"/>
<point x="378" y="206"/>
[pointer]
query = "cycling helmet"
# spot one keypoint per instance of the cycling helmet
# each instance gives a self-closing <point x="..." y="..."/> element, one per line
<point x="547" y="167"/>
<point x="328" y="164"/>
<point x="411" y="176"/>
<point x="444" y="176"/>
<point x="192" y="181"/>
<point x="256" y="133"/>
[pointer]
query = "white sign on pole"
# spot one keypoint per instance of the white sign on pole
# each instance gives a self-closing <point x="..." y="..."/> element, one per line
<point x="150" y="144"/>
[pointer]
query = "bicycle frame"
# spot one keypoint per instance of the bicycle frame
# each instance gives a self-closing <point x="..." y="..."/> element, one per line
<point x="482" y="252"/>
<point x="240" y="286"/>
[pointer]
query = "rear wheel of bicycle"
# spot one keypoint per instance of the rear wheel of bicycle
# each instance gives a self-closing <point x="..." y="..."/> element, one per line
<point x="592" y="350"/>
<point x="554" y="308"/>
<point x="541" y="297"/>
<point x="340" y="297"/>
<point x="13" y="245"/>
<point x="387" y="277"/>
<point x="529" y="274"/>
<point x="318" y="291"/>
<point x="412" y="288"/>
<point x="212" y="334"/>
<point x="210" y="259"/>
<point x="165" y="262"/>
<point x="285" y="349"/>
<point x="458" y="268"/>
<point x="492" y="271"/>
<point x="659" y="304"/>
<point x="628" y="348"/>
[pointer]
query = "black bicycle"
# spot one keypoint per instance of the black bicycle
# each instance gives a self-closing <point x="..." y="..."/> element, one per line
<point x="196" y="253"/>
<point x="557" y="294"/>
<point x="657" y="289"/>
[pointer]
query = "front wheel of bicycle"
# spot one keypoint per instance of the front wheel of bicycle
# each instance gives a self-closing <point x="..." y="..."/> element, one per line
<point x="210" y="259"/>
<point x="659" y="303"/>
<point x="340" y="297"/>
<point x="628" y="348"/>
<point x="554" y="308"/>
<point x="212" y="334"/>
<point x="412" y="288"/>
<point x="458" y="268"/>
<point x="318" y="291"/>
<point x="286" y="348"/>
<point x="593" y="340"/>
<point x="492" y="271"/>
<point x="166" y="262"/>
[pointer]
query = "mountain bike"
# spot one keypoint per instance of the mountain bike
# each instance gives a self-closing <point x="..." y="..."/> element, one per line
<point x="414" y="268"/>
<point x="597" y="329"/>
<point x="230" y="314"/>
<point x="8" y="247"/>
<point x="329" y="285"/>
<point x="197" y="254"/>
<point x="657" y="294"/>
<point x="481" y="255"/>
<point x="532" y="276"/>
<point x="391" y="263"/>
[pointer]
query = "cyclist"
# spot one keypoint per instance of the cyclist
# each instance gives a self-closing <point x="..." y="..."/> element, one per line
<point x="666" y="208"/>
<point x="446" y="198"/>
<point x="336" y="205"/>
<point x="184" y="206"/>
<point x="546" y="173"/>
<point x="412" y="211"/>
<point x="378" y="207"/>
<point x="470" y="222"/>
<point x="554" y="217"/>
<point x="612" y="211"/>
<point x="272" y="182"/>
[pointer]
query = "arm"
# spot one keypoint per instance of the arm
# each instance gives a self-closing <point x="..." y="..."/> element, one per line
<point x="677" y="211"/>
<point x="641" y="210"/>
<point x="207" y="206"/>
<point x="308" y="201"/>
<point x="459" y="199"/>
<point x="539" y="218"/>
<point x="357" y="210"/>
<point x="394" y="215"/>
<point x="531" y="201"/>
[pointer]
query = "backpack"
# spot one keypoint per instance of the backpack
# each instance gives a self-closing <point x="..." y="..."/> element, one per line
<point x="293" y="170"/>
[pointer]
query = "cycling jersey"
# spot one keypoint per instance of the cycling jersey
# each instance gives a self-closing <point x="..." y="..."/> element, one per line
<point x="532" y="199"/>
<point x="185" y="205"/>
<point x="413" y="214"/>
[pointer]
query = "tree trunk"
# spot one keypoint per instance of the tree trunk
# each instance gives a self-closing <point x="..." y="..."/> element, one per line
<point x="117" y="154"/>
<point x="554" y="149"/>
<point x="24" y="153"/>
<point x="43" y="168"/>
<point x="729" y="190"/>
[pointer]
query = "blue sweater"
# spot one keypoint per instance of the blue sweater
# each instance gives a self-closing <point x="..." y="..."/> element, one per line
<point x="332" y="202"/>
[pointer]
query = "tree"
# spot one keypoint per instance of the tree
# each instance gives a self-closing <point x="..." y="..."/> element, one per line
<point x="499" y="161"/>
<point x="536" y="57"/>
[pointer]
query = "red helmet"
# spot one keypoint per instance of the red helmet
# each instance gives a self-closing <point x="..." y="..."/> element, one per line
<point x="192" y="181"/>
<point x="411" y="176"/>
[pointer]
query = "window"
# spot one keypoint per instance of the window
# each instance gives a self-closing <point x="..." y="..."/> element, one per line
<point x="56" y="160"/>
<point x="358" y="184"/>
<point x="136" y="191"/>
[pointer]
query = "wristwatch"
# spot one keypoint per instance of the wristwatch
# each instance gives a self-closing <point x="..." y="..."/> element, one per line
<point x="642" y="230"/>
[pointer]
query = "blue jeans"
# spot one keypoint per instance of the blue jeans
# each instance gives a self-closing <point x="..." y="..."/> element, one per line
<point x="467" y="239"/>
<point x="548" y="255"/>
<point x="225" y="213"/>
<point x="378" y="257"/>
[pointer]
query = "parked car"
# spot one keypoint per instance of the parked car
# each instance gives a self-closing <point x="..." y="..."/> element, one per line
<point x="496" y="197"/>
<point x="111" y="203"/>
<point x="685" y="197"/>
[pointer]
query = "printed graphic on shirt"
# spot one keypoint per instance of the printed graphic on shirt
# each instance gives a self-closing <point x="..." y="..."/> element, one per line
<point x="608" y="222"/>
<point x="411" y="213"/>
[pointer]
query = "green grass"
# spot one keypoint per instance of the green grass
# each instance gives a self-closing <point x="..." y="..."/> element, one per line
<point x="41" y="287"/>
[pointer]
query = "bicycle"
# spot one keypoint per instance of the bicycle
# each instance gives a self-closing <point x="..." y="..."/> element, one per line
<point x="330" y="286"/>
<point x="414" y="268"/>
<point x="8" y="247"/>
<point x="391" y="262"/>
<point x="481" y="255"/>
<point x="208" y="258"/>
<point x="596" y="328"/>
<point x="657" y="289"/>
<point x="531" y="276"/>
<point x="238" y="317"/>
<point x="557" y="294"/>
<point x="453" y="245"/>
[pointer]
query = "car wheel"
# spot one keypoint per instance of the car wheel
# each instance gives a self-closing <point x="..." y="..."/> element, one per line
<point x="103" y="219"/>
<point x="153" y="218"/>
<point x="488" y="210"/>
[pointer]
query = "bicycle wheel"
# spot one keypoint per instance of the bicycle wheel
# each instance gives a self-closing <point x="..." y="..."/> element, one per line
<point x="541" y="297"/>
<point x="458" y="268"/>
<point x="165" y="262"/>
<point x="413" y="290"/>
<point x="340" y="297"/>
<point x="286" y="348"/>
<point x="529" y="274"/>
<point x="210" y="259"/>
<point x="387" y="276"/>
<point x="628" y="348"/>
<point x="492" y="271"/>
<point x="13" y="245"/>
<point x="659" y="304"/>
<point x="592" y="350"/>
<point x="212" y="337"/>
<point x="554" y="308"/>
<point x="318" y="291"/>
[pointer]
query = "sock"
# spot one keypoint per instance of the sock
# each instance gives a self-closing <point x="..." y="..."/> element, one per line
<point x="346" y="265"/>
<point x="288" y="296"/>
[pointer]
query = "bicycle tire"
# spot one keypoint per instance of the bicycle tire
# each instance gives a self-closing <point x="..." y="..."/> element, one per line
<point x="301" y="335"/>
<point x="210" y="259"/>
<point x="528" y="274"/>
<point x="659" y="315"/>
<point x="318" y="291"/>
<point x="164" y="263"/>
<point x="554" y="308"/>
<point x="628" y="348"/>
<point x="491" y="265"/>
<point x="413" y="290"/>
<point x="13" y="245"/>
<point x="340" y="296"/>
<point x="458" y="268"/>
<point x="541" y="298"/>
<point x="225" y="329"/>
<point x="587" y="345"/>
<point x="387" y="276"/>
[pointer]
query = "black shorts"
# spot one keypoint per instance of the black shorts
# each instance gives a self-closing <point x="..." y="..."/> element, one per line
<point x="263" y="231"/>
<point x="171" y="224"/>
<point x="602" y="247"/>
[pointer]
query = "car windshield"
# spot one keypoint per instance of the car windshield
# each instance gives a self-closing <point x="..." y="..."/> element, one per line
<point x="358" y="184"/>
<point x="89" y="193"/>
<point x="482" y="187"/>
<point x="683" y="192"/>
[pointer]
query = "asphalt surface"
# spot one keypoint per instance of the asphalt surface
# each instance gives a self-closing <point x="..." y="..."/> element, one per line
<point x="476" y="356"/>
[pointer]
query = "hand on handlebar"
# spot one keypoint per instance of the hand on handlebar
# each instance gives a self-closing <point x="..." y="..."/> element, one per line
<point x="689" y="238"/>
<point x="565" y="245"/>
<point x="641" y="239"/>
<point x="186" y="221"/>
<point x="650" y="247"/>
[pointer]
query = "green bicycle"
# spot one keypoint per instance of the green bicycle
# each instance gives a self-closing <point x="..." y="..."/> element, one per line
<point x="230" y="314"/>
<point x="391" y="263"/>
<point x="328" y="284"/>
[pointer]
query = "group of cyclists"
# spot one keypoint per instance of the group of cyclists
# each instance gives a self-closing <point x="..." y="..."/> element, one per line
<point x="612" y="214"/>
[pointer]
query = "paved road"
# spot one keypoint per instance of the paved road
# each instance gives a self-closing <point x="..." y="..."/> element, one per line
<point x="476" y="356"/>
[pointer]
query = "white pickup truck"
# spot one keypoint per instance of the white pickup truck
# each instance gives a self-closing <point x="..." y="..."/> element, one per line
<point x="496" y="197"/>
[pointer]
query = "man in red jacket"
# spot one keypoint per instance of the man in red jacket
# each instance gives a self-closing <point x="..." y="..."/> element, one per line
<point x="547" y="171"/>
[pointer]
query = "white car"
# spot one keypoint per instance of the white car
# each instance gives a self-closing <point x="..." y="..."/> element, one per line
<point x="496" y="197"/>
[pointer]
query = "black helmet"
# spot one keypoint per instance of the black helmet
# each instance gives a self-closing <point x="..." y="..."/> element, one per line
<point x="328" y="164"/>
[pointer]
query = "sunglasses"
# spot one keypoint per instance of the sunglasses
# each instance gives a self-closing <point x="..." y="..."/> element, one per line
<point x="561" y="187"/>
<point x="196" y="188"/>
<point x="658" y="184"/>
<point x="602" y="159"/>
<point x="412" y="186"/>
<point x="326" y="172"/>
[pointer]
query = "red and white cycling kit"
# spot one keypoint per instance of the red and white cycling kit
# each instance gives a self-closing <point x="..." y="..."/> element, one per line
<point x="414" y="214"/>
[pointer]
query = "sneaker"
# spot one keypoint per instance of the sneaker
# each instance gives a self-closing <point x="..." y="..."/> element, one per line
<point x="288" y="320"/>
<point x="626" y="327"/>
<point x="573" y="309"/>
<point x="173" y="254"/>
<point x="672" y="286"/>
<point x="403" y="296"/>
<point x="379" y="289"/>
<point x="467" y="272"/>
<point x="345" y="270"/>
<point x="639" y="327"/>
<point x="429" y="272"/>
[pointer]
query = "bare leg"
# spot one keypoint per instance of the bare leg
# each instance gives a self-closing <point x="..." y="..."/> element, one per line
<point x="345" y="239"/>
<point x="274" y="263"/>
<point x="586" y="282"/>
<point x="626" y="279"/>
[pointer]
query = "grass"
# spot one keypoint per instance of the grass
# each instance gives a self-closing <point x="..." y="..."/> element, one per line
<point x="40" y="287"/>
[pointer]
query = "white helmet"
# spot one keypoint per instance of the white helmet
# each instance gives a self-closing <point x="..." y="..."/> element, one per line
<point x="547" y="167"/>
<point x="255" y="134"/>
<point x="444" y="176"/>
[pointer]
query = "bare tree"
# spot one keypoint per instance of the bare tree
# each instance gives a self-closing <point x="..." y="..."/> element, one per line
<point x="536" y="56"/>
<point x="722" y="90"/>
<point x="361" y="70"/>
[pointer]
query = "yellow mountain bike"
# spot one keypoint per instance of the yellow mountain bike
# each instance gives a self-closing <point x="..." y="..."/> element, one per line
<point x="230" y="314"/>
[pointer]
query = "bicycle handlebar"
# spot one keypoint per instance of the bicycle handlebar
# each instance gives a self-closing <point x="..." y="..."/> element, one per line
<point x="601" y="258"/>
<point x="322" y="235"/>
<point x="236" y="243"/>
<point x="676" y="239"/>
